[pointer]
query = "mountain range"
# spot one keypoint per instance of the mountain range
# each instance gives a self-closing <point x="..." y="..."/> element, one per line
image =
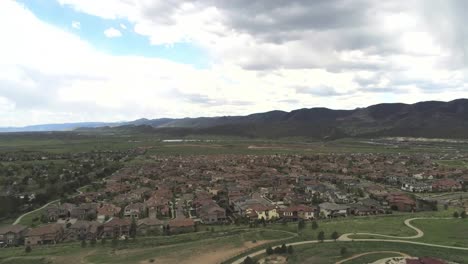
<point x="431" y="119"/>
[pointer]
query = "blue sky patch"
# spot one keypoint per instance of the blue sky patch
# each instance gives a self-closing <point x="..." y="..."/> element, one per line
<point x="130" y="43"/>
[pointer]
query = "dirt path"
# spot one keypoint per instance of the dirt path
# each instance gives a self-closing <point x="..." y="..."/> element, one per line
<point x="370" y="253"/>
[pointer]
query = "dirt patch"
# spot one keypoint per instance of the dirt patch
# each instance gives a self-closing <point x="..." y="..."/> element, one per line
<point x="208" y="256"/>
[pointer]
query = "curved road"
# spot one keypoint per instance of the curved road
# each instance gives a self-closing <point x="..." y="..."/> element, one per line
<point x="345" y="238"/>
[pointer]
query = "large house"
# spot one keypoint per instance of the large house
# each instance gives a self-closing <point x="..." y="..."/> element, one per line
<point x="134" y="210"/>
<point x="116" y="227"/>
<point x="107" y="211"/>
<point x="85" y="211"/>
<point x="294" y="213"/>
<point x="47" y="234"/>
<point x="419" y="187"/>
<point x="446" y="185"/>
<point x="401" y="202"/>
<point x="211" y="213"/>
<point x="333" y="210"/>
<point x="185" y="225"/>
<point x="12" y="235"/>
<point x="150" y="226"/>
<point x="83" y="230"/>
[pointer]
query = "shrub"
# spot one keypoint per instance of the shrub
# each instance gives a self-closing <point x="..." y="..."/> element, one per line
<point x="455" y="214"/>
<point x="269" y="251"/>
<point x="248" y="260"/>
<point x="28" y="249"/>
<point x="314" y="225"/>
<point x="290" y="250"/>
<point x="343" y="251"/>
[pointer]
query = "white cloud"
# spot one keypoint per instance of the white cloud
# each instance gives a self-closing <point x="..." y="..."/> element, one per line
<point x="112" y="33"/>
<point x="50" y="75"/>
<point x="123" y="26"/>
<point x="76" y="25"/>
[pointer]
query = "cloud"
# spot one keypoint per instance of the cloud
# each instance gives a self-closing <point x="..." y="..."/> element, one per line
<point x="263" y="55"/>
<point x="76" y="25"/>
<point x="112" y="33"/>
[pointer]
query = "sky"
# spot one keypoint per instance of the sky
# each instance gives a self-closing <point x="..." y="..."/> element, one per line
<point x="115" y="60"/>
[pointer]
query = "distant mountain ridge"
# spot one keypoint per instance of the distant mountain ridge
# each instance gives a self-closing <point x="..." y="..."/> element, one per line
<point x="424" y="119"/>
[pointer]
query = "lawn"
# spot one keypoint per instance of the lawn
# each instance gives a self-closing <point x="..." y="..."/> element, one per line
<point x="33" y="219"/>
<point x="450" y="232"/>
<point x="330" y="252"/>
<point x="211" y="246"/>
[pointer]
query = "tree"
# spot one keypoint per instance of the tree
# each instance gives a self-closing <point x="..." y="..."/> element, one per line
<point x="290" y="250"/>
<point x="455" y="214"/>
<point x="248" y="260"/>
<point x="314" y="225"/>
<point x="277" y="250"/>
<point x="343" y="251"/>
<point x="335" y="235"/>
<point x="28" y="249"/>
<point x="321" y="236"/>
<point x="463" y="214"/>
<point x="284" y="249"/>
<point x="133" y="228"/>
<point x="269" y="250"/>
<point x="300" y="224"/>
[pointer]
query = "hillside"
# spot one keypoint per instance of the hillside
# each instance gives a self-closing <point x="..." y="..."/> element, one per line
<point x="432" y="119"/>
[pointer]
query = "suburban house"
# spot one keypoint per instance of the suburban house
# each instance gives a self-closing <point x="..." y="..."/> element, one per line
<point x="115" y="228"/>
<point x="177" y="226"/>
<point x="401" y="202"/>
<point x="134" y="210"/>
<point x="64" y="210"/>
<point x="419" y="187"/>
<point x="264" y="212"/>
<point x="446" y="185"/>
<point x="333" y="210"/>
<point x="12" y="235"/>
<point x="47" y="234"/>
<point x="107" y="211"/>
<point x="211" y="213"/>
<point x="82" y="230"/>
<point x="294" y="213"/>
<point x="149" y="226"/>
<point x="85" y="211"/>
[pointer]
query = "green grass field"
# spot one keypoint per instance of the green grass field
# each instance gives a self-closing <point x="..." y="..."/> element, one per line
<point x="330" y="252"/>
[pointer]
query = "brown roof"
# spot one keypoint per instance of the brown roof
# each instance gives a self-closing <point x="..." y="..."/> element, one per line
<point x="181" y="222"/>
<point x="12" y="229"/>
<point x="117" y="222"/>
<point x="46" y="229"/>
<point x="150" y="222"/>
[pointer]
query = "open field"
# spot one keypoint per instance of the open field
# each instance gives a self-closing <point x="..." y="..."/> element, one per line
<point x="203" y="246"/>
<point x="330" y="252"/>
<point x="69" y="142"/>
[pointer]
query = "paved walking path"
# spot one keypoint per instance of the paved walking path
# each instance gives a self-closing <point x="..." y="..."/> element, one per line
<point x="370" y="253"/>
<point x="345" y="238"/>
<point x="25" y="214"/>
